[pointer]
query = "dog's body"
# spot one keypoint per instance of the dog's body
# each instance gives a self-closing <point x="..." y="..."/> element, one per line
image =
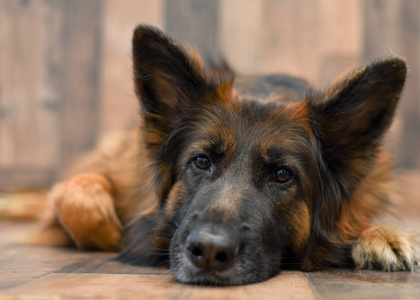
<point x="230" y="189"/>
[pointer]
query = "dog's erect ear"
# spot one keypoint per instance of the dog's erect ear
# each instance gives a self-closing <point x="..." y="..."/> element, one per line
<point x="352" y="116"/>
<point x="170" y="84"/>
<point x="167" y="81"/>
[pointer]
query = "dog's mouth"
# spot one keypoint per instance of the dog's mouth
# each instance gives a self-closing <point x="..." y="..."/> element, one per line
<point x="211" y="255"/>
<point x="186" y="271"/>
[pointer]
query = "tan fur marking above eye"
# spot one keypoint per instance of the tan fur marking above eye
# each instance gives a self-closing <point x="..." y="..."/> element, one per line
<point x="300" y="112"/>
<point x="213" y="135"/>
<point x="200" y="145"/>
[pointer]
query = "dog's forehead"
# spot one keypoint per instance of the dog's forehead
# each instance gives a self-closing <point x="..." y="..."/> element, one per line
<point x="251" y="125"/>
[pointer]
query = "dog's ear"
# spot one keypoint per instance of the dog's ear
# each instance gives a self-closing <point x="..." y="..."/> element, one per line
<point x="167" y="81"/>
<point x="351" y="117"/>
<point x="171" y="86"/>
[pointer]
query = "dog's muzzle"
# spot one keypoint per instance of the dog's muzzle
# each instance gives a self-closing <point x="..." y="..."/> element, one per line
<point x="210" y="247"/>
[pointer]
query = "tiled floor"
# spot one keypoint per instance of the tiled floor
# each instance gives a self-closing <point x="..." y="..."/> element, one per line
<point x="30" y="272"/>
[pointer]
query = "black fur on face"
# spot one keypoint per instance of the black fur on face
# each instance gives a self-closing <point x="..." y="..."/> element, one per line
<point x="250" y="187"/>
<point x="253" y="188"/>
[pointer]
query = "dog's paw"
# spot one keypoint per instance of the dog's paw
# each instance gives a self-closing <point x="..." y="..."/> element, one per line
<point x="85" y="208"/>
<point x="385" y="248"/>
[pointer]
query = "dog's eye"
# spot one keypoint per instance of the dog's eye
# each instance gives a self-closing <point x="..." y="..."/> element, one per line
<point x="202" y="162"/>
<point x="282" y="175"/>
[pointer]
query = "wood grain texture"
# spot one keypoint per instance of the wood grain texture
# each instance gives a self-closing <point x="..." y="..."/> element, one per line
<point x="29" y="93"/>
<point x="392" y="27"/>
<point x="194" y="23"/>
<point x="241" y="34"/>
<point x="299" y="36"/>
<point x="347" y="284"/>
<point x="25" y="177"/>
<point x="291" y="285"/>
<point x="49" y="87"/>
<point x="119" y="105"/>
<point x="82" y="49"/>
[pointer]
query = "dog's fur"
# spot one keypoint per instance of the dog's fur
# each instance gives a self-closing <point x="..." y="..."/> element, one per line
<point x="230" y="189"/>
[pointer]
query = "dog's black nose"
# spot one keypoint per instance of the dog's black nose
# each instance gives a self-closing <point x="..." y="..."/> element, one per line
<point x="210" y="247"/>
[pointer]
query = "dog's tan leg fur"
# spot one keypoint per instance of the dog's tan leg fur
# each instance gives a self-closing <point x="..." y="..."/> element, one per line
<point x="387" y="248"/>
<point x="84" y="206"/>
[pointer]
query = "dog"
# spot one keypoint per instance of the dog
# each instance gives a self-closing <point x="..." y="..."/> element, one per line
<point x="229" y="182"/>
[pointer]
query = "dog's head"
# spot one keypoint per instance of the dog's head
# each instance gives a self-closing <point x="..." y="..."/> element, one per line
<point x="249" y="187"/>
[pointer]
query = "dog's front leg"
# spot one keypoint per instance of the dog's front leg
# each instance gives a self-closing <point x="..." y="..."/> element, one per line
<point x="84" y="206"/>
<point x="385" y="248"/>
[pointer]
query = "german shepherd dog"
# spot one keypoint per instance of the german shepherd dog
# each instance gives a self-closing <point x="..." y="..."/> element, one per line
<point x="229" y="185"/>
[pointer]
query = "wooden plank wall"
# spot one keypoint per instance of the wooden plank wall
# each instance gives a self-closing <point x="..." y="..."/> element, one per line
<point x="395" y="25"/>
<point x="50" y="56"/>
<point x="65" y="69"/>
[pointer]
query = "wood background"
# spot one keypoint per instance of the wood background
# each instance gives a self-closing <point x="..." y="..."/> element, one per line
<point x="65" y="69"/>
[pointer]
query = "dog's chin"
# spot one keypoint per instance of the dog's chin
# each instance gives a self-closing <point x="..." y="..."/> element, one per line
<point x="239" y="274"/>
